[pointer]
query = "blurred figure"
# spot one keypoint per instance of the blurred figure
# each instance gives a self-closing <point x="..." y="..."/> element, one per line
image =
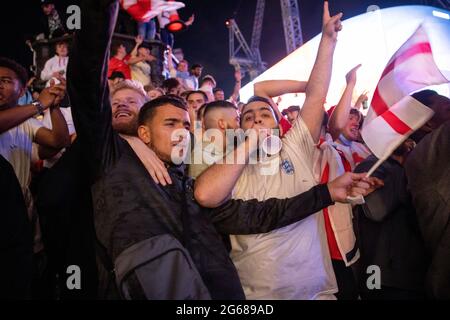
<point x="115" y="78"/>
<point x="52" y="23"/>
<point x="291" y="113"/>
<point x="56" y="67"/>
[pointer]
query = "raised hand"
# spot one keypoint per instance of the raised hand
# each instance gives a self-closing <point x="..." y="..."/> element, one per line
<point x="352" y="185"/>
<point x="331" y="25"/>
<point x="139" y="39"/>
<point x="361" y="100"/>
<point x="190" y="20"/>
<point x="351" y="75"/>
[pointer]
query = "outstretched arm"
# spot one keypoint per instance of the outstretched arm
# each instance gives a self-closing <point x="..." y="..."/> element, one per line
<point x="340" y="114"/>
<point x="247" y="217"/>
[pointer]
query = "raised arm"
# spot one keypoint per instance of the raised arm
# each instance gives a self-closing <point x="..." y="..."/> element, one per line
<point x="134" y="53"/>
<point x="12" y="117"/>
<point x="237" y="86"/>
<point x="87" y="81"/>
<point x="319" y="80"/>
<point x="275" y="88"/>
<point x="340" y="114"/>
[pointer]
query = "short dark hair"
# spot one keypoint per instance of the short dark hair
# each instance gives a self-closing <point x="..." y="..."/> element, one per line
<point x="217" y="90"/>
<point x="115" y="47"/>
<point x="18" y="69"/>
<point x="219" y="104"/>
<point x="425" y="96"/>
<point x="260" y="99"/>
<point x="148" y="110"/>
<point x="116" y="74"/>
<point x="199" y="92"/>
<point x="196" y="65"/>
<point x="170" y="83"/>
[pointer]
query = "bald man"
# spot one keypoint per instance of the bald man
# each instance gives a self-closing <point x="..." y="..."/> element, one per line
<point x="219" y="118"/>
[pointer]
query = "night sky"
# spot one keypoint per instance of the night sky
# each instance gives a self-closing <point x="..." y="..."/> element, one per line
<point x="206" y="42"/>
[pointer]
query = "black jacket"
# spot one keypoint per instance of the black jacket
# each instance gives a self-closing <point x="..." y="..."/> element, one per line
<point x="428" y="172"/>
<point x="388" y="233"/>
<point x="16" y="243"/>
<point x="128" y="206"/>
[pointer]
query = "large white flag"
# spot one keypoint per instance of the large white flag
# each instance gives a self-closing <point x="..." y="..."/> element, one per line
<point x="393" y="113"/>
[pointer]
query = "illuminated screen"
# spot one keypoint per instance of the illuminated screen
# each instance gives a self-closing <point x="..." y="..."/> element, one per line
<point x="370" y="39"/>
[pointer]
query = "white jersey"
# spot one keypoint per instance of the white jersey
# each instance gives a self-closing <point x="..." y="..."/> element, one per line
<point x="292" y="262"/>
<point x="16" y="146"/>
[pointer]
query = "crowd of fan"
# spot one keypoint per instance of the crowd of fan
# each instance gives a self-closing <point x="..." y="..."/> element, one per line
<point x="89" y="178"/>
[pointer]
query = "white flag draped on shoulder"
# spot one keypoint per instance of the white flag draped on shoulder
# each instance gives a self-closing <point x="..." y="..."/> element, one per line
<point x="394" y="115"/>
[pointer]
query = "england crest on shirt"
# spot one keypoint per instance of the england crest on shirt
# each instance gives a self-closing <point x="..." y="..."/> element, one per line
<point x="287" y="167"/>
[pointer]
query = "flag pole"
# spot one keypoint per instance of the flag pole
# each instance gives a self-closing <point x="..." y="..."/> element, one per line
<point x="375" y="167"/>
<point x="360" y="199"/>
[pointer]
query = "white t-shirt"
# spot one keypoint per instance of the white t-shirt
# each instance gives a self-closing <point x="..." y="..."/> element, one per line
<point x="141" y="72"/>
<point x="292" y="262"/>
<point x="16" y="145"/>
<point x="54" y="64"/>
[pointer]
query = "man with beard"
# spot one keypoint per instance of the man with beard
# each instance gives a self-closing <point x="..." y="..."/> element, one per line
<point x="130" y="209"/>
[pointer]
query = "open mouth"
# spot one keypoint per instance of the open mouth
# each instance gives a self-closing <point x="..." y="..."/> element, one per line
<point x="122" y="114"/>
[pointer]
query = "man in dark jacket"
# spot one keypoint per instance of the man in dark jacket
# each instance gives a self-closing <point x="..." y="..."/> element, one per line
<point x="428" y="172"/>
<point x="16" y="245"/>
<point x="129" y="206"/>
<point x="389" y="235"/>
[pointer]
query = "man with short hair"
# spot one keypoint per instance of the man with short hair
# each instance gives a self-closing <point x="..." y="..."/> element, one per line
<point x="219" y="94"/>
<point x="130" y="207"/>
<point x="195" y="99"/>
<point x="218" y="117"/>
<point x="195" y="72"/>
<point x="19" y="128"/>
<point x="172" y="86"/>
<point x="441" y="107"/>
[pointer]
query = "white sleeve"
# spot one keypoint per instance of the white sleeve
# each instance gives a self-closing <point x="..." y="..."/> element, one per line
<point x="46" y="73"/>
<point x="32" y="126"/>
<point x="67" y="113"/>
<point x="300" y="138"/>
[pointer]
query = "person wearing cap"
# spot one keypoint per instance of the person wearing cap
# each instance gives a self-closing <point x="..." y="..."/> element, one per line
<point x="52" y="21"/>
<point x="291" y="113"/>
<point x="141" y="69"/>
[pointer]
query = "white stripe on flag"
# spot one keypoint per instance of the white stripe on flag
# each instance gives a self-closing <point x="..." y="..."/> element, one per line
<point x="382" y="139"/>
